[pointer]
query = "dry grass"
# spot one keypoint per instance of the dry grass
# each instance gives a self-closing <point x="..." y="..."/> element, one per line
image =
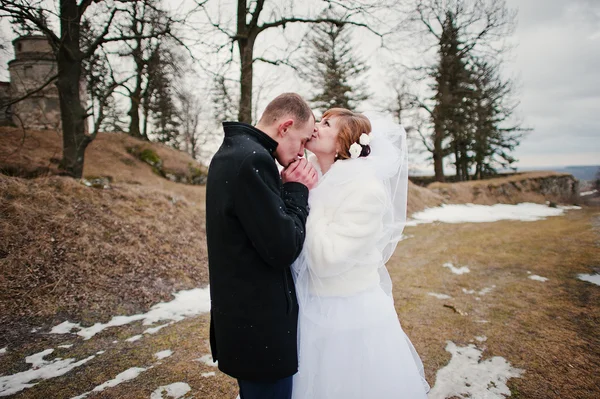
<point x="72" y="251"/>
<point x="549" y="329"/>
<point x="37" y="153"/>
<point x="420" y="198"/>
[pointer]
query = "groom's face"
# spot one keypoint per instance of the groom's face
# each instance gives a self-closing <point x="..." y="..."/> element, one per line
<point x="293" y="138"/>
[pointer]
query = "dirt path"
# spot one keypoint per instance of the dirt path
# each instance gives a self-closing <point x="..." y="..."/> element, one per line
<point x="548" y="328"/>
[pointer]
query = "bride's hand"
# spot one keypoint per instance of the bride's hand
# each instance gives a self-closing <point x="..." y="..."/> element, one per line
<point x="300" y="171"/>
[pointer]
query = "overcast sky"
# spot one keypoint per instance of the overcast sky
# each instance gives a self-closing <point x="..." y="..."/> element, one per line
<point x="558" y="61"/>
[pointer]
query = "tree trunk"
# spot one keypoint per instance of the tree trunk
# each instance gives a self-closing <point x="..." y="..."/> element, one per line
<point x="75" y="140"/>
<point x="246" y="47"/>
<point x="146" y="108"/>
<point x="438" y="155"/>
<point x="457" y="163"/>
<point x="134" y="110"/>
<point x="246" y="35"/>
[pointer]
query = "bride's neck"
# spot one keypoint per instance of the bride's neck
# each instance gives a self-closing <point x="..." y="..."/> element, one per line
<point x="325" y="162"/>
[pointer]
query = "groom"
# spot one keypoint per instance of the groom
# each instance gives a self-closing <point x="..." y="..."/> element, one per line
<point x="255" y="224"/>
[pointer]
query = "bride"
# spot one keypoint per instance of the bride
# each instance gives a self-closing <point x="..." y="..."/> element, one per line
<point x="350" y="342"/>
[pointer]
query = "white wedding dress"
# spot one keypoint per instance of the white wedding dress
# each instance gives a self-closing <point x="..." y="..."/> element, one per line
<point x="350" y="342"/>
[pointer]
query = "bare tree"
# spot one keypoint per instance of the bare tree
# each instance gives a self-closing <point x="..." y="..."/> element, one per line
<point x="255" y="17"/>
<point x="70" y="54"/>
<point x="193" y="133"/>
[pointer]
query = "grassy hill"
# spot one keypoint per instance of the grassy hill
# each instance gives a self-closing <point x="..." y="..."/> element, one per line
<point x="114" y="250"/>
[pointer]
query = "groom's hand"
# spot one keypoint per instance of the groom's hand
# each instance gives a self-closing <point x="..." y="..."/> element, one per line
<point x="300" y="171"/>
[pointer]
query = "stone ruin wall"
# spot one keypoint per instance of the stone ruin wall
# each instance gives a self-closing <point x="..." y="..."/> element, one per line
<point x="33" y="65"/>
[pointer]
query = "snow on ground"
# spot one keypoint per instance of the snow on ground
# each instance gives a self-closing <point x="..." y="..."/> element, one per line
<point x="40" y="370"/>
<point x="186" y="303"/>
<point x="134" y="338"/>
<point x="3" y="351"/>
<point x="467" y="376"/>
<point x="207" y="359"/>
<point x="484" y="291"/>
<point x="209" y="374"/>
<point x="590" y="278"/>
<point x="126" y="375"/>
<point x="482" y="338"/>
<point x="154" y="330"/>
<point x="538" y="278"/>
<point x="439" y="296"/>
<point x="65" y="346"/>
<point x="175" y="391"/>
<point x="586" y="193"/>
<point x="456" y="270"/>
<point x="471" y="213"/>
<point x="163" y="354"/>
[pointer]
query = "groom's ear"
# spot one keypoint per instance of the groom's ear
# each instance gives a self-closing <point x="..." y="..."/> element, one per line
<point x="284" y="127"/>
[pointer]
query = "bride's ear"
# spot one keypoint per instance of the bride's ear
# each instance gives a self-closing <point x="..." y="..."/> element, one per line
<point x="284" y="127"/>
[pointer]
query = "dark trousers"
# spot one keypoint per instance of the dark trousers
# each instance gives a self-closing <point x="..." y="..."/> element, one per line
<point x="280" y="389"/>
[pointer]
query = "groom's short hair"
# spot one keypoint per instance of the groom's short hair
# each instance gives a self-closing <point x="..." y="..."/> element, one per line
<point x="287" y="105"/>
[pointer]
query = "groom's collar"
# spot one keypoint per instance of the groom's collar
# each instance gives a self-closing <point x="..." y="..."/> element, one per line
<point x="235" y="128"/>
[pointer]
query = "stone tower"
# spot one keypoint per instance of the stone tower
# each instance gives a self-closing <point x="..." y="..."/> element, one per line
<point x="33" y="65"/>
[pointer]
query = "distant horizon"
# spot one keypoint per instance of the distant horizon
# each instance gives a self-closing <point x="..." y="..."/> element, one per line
<point x="418" y="172"/>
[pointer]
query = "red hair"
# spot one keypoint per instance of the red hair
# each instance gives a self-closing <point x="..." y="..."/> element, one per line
<point x="351" y="125"/>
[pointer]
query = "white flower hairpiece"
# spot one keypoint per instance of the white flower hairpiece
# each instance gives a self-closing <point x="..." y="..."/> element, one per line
<point x="355" y="150"/>
<point x="364" y="139"/>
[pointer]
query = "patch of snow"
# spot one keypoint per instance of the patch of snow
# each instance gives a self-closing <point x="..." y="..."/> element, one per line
<point x="41" y="370"/>
<point x="457" y="270"/>
<point x="590" y="278"/>
<point x="3" y="350"/>
<point x="163" y="354"/>
<point x="186" y="303"/>
<point x="63" y="328"/>
<point x="209" y="374"/>
<point x="65" y="346"/>
<point x="126" y="375"/>
<point x="154" y="330"/>
<point x="439" y="296"/>
<point x="482" y="338"/>
<point x="586" y="193"/>
<point x="484" y="291"/>
<point x="538" y="278"/>
<point x="134" y="338"/>
<point x="100" y="352"/>
<point x="467" y="376"/>
<point x="207" y="359"/>
<point x="471" y="213"/>
<point x="37" y="359"/>
<point x="175" y="391"/>
<point x="35" y="329"/>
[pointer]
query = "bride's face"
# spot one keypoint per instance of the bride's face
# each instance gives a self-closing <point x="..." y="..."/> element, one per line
<point x="325" y="142"/>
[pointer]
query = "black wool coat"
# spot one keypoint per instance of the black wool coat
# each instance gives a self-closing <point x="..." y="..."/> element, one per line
<point x="255" y="228"/>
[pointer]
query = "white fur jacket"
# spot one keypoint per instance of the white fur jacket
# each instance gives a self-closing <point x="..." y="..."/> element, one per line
<point x="343" y="226"/>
